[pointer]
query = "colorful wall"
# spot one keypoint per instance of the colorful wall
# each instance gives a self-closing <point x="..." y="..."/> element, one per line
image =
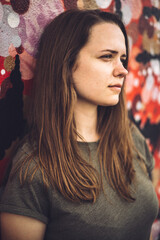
<point x="21" y="24"/>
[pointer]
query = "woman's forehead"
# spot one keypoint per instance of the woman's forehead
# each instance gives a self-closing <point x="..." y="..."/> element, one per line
<point x="105" y="36"/>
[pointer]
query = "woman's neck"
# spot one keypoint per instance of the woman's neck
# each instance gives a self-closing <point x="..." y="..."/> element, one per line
<point x="86" y="121"/>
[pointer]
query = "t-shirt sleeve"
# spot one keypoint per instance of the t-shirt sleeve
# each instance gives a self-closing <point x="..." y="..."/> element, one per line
<point x="142" y="147"/>
<point x="29" y="199"/>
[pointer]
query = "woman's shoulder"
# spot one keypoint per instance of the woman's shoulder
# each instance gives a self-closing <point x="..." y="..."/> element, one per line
<point x="142" y="147"/>
<point x="24" y="150"/>
<point x="24" y="160"/>
<point x="137" y="135"/>
<point x="22" y="194"/>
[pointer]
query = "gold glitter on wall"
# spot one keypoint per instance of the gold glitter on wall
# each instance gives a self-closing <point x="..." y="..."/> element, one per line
<point x="88" y="4"/>
<point x="9" y="63"/>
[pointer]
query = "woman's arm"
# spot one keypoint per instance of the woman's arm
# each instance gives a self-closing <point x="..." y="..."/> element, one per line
<point x="17" y="227"/>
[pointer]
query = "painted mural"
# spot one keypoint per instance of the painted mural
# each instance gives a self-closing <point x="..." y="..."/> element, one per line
<point x="21" y="24"/>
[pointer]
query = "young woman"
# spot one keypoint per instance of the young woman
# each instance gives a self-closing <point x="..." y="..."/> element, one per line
<point x="83" y="170"/>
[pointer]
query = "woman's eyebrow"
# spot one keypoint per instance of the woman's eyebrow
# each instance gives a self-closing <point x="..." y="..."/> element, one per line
<point x="113" y="52"/>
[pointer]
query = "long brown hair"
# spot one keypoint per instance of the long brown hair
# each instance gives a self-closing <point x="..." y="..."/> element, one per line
<point x="52" y="125"/>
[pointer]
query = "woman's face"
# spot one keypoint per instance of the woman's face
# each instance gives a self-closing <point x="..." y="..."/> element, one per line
<point x="98" y="73"/>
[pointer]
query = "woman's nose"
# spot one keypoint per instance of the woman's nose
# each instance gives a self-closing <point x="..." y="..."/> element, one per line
<point x="119" y="70"/>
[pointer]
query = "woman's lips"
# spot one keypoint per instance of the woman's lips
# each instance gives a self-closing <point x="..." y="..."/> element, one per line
<point x="115" y="87"/>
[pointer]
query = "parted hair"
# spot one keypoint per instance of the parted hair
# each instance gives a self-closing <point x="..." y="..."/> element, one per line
<point x="52" y="127"/>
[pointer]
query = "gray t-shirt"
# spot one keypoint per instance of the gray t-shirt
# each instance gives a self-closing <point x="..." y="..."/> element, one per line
<point x="108" y="218"/>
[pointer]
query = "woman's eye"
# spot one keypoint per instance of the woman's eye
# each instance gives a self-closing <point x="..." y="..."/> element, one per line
<point x="108" y="56"/>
